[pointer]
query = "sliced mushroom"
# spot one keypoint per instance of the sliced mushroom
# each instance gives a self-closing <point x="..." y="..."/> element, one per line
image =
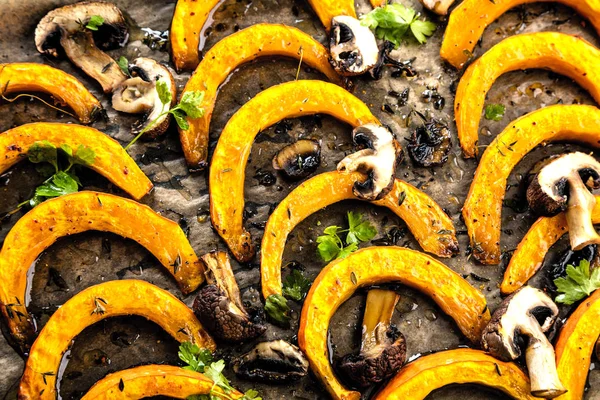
<point x="438" y="6"/>
<point x="526" y="314"/>
<point x="564" y="183"/>
<point x="65" y="27"/>
<point x="352" y="46"/>
<point x="298" y="160"/>
<point x="219" y="306"/>
<point x="381" y="354"/>
<point x="275" y="361"/>
<point x="138" y="94"/>
<point x="378" y="158"/>
<point x="430" y="143"/>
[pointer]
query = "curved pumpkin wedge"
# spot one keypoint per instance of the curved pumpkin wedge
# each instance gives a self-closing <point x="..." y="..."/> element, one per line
<point x="261" y="40"/>
<point x="375" y="265"/>
<point x="483" y="207"/>
<point x="327" y="9"/>
<point x="430" y="225"/>
<point x="558" y="52"/>
<point x="529" y="255"/>
<point x="470" y="18"/>
<point x="416" y="380"/>
<point x="153" y="380"/>
<point x="110" y="299"/>
<point x="227" y="169"/>
<point x="111" y="161"/>
<point x="81" y="212"/>
<point x="31" y="77"/>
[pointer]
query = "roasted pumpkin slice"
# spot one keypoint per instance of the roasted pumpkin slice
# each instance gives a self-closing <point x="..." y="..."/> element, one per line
<point x="327" y="9"/>
<point x="371" y="266"/>
<point x="110" y="299"/>
<point x="80" y="212"/>
<point x="529" y="255"/>
<point x="430" y="225"/>
<point x="111" y="160"/>
<point x="575" y="346"/>
<point x="419" y="378"/>
<point x="260" y="40"/>
<point x="483" y="207"/>
<point x="154" y="380"/>
<point x="558" y="52"/>
<point x="65" y="88"/>
<point x="470" y="18"/>
<point x="227" y="170"/>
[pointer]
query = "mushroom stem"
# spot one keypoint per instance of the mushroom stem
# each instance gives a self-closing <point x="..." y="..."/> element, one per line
<point x="219" y="273"/>
<point x="541" y="365"/>
<point x="377" y="319"/>
<point x="579" y="215"/>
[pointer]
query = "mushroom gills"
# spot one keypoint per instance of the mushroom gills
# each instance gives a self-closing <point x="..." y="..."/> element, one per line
<point x="299" y="159"/>
<point x="353" y="46"/>
<point x="564" y="183"/>
<point x="274" y="361"/>
<point x="383" y="349"/>
<point x="430" y="143"/>
<point x="378" y="155"/>
<point x="218" y="305"/>
<point x="529" y="313"/>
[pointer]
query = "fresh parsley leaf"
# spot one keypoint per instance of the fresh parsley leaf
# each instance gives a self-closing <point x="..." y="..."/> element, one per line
<point x="346" y="251"/>
<point x="196" y="358"/>
<point x="359" y="231"/>
<point x="392" y="22"/>
<point x="578" y="284"/>
<point x="43" y="151"/>
<point x="190" y="104"/>
<point x="123" y="63"/>
<point x="251" y="395"/>
<point x="95" y="22"/>
<point x="494" y="112"/>
<point x="215" y="372"/>
<point x="296" y="286"/>
<point x="329" y="247"/>
<point x="83" y="156"/>
<point x="277" y="308"/>
<point x="60" y="184"/>
<point x="164" y="94"/>
<point x="181" y="119"/>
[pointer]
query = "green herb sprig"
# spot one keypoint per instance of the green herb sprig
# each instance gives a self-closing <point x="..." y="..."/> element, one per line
<point x="393" y="22"/>
<point x="494" y="112"/>
<point x="296" y="286"/>
<point x="201" y="360"/>
<point x="95" y="22"/>
<point x="331" y="246"/>
<point x="578" y="284"/>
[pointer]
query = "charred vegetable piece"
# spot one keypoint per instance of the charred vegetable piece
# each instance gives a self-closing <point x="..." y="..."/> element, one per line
<point x="564" y="184"/>
<point x="430" y="143"/>
<point x="352" y="46"/>
<point x="298" y="160"/>
<point x="110" y="299"/>
<point x="381" y="353"/>
<point x="570" y="257"/>
<point x="528" y="312"/>
<point x="66" y="27"/>
<point x="378" y="156"/>
<point x="276" y="361"/>
<point x="218" y="304"/>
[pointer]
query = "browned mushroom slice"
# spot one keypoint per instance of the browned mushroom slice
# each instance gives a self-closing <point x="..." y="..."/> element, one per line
<point x="299" y="159"/>
<point x="352" y="46"/>
<point x="528" y="312"/>
<point x="66" y="27"/>
<point x="275" y="361"/>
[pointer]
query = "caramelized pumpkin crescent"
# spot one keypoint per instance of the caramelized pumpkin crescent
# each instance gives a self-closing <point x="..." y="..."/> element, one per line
<point x="529" y="255"/>
<point x="371" y="266"/>
<point x="227" y="169"/>
<point x="65" y="88"/>
<point x="470" y="18"/>
<point x="111" y="161"/>
<point x="260" y="40"/>
<point x="575" y="346"/>
<point x="110" y="299"/>
<point x="429" y="224"/>
<point x="81" y="212"/>
<point x="416" y="380"/>
<point x="327" y="9"/>
<point x="558" y="52"/>
<point x="483" y="208"/>
<point x="154" y="380"/>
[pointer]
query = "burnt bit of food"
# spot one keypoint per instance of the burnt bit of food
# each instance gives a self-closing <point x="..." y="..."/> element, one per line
<point x="431" y="95"/>
<point x="299" y="159"/>
<point x="277" y="361"/>
<point x="265" y="178"/>
<point x="391" y="238"/>
<point x="404" y="69"/>
<point x="570" y="257"/>
<point x="430" y="143"/>
<point x="400" y="68"/>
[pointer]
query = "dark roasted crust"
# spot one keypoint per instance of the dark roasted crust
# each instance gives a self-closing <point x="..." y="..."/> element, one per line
<point x="541" y="204"/>
<point x="490" y="338"/>
<point x="211" y="306"/>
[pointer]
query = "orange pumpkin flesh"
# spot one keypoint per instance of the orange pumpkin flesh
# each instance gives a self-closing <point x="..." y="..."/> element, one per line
<point x="65" y="88"/>
<point x="261" y="40"/>
<point x="432" y="228"/>
<point x="483" y="206"/>
<point x="470" y="18"/>
<point x="375" y="265"/>
<point x="418" y="379"/>
<point x="564" y="54"/>
<point x="80" y="212"/>
<point x="227" y="170"/>
<point x="110" y="299"/>
<point x="327" y="9"/>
